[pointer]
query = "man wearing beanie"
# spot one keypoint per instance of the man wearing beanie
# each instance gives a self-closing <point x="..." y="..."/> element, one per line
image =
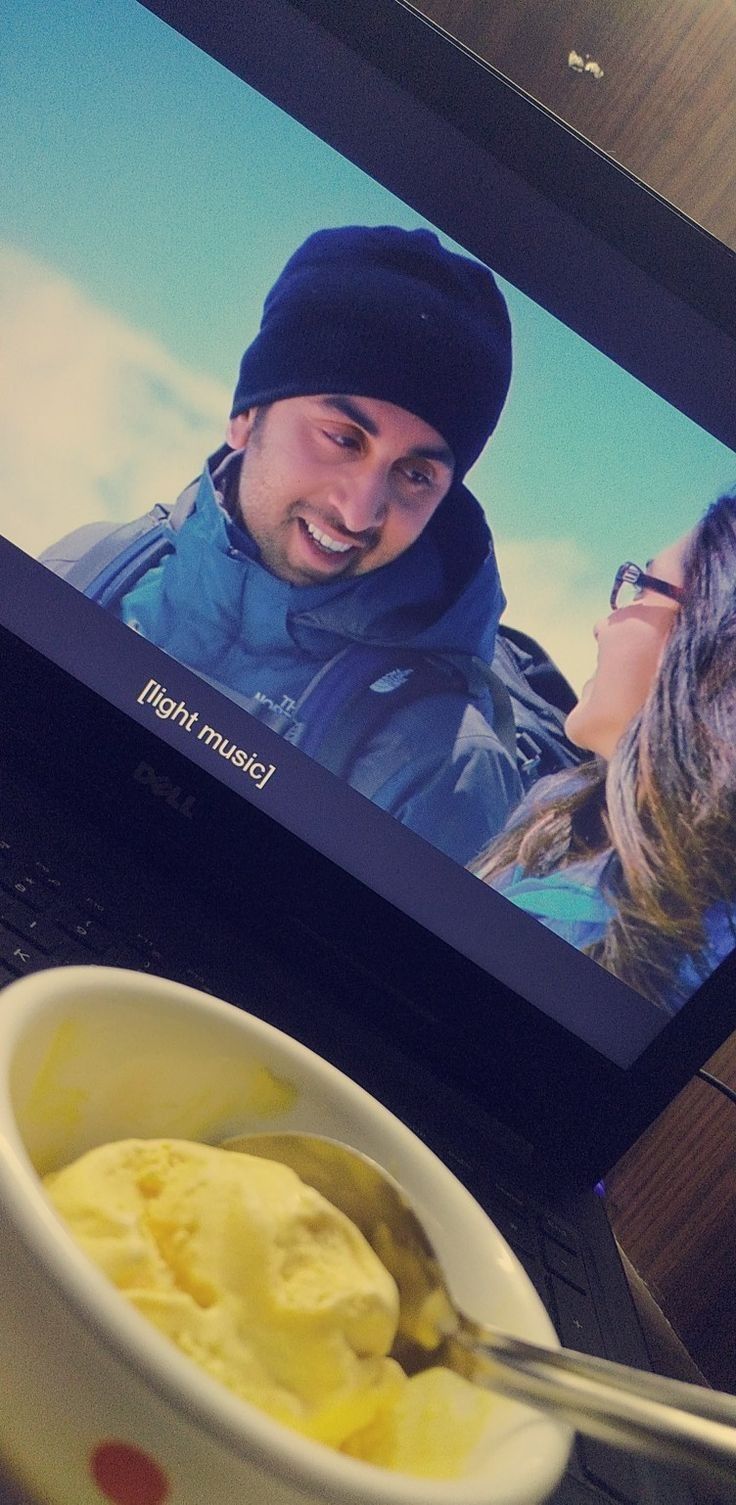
<point x="329" y="571"/>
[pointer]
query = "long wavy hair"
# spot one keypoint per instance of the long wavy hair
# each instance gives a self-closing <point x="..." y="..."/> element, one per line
<point x="664" y="807"/>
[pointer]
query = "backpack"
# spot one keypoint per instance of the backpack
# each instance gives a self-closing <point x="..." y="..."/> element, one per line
<point x="355" y="692"/>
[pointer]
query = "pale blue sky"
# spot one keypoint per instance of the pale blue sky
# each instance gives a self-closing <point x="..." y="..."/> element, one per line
<point x="169" y="195"/>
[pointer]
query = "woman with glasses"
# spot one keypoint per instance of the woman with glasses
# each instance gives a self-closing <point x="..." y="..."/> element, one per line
<point x="632" y="856"/>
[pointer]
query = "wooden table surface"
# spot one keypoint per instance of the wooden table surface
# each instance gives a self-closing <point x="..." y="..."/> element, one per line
<point x="665" y="105"/>
<point x="658" y="95"/>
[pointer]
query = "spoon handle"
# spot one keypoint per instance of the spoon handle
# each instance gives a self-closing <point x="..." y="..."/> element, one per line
<point x="684" y="1425"/>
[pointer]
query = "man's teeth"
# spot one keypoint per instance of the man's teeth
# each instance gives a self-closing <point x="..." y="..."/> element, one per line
<point x="325" y="542"/>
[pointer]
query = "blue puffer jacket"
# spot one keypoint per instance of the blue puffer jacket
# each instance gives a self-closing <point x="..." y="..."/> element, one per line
<point x="201" y="593"/>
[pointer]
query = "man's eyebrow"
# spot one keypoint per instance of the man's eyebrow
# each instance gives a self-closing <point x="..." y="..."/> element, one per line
<point x="352" y="410"/>
<point x="439" y="452"/>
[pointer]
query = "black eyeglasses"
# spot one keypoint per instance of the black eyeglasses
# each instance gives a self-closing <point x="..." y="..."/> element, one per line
<point x="629" y="582"/>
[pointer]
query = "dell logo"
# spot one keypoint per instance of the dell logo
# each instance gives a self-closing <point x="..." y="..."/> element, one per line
<point x="164" y="789"/>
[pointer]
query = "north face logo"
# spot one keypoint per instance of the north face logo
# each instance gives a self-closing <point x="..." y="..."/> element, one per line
<point x="393" y="680"/>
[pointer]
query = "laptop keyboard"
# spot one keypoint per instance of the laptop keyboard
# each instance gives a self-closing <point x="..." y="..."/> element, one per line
<point x="45" y="922"/>
<point x="46" y="919"/>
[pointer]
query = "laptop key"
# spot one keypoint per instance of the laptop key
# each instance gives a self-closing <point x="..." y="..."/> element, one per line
<point x="92" y="905"/>
<point x="21" y="956"/>
<point x="49" y="878"/>
<point x="509" y="1197"/>
<point x="71" y="954"/>
<point x="21" y="885"/>
<point x="560" y="1232"/>
<point x="31" y="926"/>
<point x="577" y="1323"/>
<point x="82" y="928"/>
<point x="515" y="1226"/>
<point x="560" y="1261"/>
<point x="125" y="956"/>
<point x="95" y="937"/>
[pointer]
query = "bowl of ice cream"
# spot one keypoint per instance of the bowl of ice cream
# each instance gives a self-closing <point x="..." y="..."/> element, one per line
<point x="182" y="1323"/>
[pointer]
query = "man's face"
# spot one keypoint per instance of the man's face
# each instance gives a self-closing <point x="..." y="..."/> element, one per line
<point x="335" y="486"/>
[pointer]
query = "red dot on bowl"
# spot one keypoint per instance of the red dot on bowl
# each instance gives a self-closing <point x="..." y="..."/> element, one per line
<point x="126" y="1475"/>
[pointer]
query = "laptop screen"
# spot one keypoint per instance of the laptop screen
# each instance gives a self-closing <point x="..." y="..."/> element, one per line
<point x="379" y="495"/>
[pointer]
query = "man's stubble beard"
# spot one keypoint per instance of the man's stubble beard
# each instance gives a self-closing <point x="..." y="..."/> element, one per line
<point x="255" y="499"/>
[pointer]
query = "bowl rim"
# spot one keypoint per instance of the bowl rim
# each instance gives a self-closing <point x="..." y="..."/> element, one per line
<point x="137" y="1345"/>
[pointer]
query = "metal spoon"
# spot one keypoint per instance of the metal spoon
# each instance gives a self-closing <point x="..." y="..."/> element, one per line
<point x="686" y="1426"/>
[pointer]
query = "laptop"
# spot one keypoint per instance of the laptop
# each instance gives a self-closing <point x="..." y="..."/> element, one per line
<point x="162" y="162"/>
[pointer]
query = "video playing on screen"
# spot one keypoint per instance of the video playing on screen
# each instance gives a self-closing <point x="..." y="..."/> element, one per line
<point x="272" y="421"/>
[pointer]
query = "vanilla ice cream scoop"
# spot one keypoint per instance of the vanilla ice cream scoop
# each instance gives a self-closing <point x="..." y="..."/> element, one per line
<point x="250" y="1272"/>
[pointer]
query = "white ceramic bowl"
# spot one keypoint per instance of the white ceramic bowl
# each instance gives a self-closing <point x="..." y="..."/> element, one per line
<point x="99" y="1406"/>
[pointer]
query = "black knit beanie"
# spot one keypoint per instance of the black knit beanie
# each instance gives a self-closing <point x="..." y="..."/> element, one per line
<point x="389" y="314"/>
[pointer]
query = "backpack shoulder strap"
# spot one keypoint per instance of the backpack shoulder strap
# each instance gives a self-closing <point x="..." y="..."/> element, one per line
<point x="541" y="698"/>
<point x="354" y="695"/>
<point x="117" y="561"/>
<point x="94" y="563"/>
<point x="538" y="669"/>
